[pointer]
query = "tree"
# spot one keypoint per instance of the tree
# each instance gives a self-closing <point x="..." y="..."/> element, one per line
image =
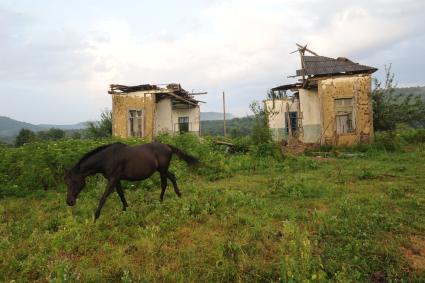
<point x="102" y="128"/>
<point x="391" y="108"/>
<point x="25" y="136"/>
<point x="261" y="133"/>
<point x="76" y="135"/>
<point x="52" y="134"/>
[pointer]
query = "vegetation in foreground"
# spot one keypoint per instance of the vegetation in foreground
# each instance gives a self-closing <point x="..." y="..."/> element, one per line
<point x="243" y="217"/>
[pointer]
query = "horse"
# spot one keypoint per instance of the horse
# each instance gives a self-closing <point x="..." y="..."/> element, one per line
<point x="118" y="161"/>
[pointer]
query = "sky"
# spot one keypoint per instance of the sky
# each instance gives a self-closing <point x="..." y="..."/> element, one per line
<point x="58" y="58"/>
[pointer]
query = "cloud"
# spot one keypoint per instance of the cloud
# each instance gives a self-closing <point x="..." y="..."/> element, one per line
<point x="248" y="42"/>
<point x="240" y="46"/>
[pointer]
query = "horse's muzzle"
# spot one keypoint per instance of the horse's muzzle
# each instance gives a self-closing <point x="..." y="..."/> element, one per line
<point x="71" y="202"/>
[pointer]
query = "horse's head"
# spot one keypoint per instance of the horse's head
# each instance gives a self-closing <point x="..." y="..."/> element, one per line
<point x="75" y="183"/>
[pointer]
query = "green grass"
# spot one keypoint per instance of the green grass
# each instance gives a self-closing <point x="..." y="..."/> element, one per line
<point x="303" y="219"/>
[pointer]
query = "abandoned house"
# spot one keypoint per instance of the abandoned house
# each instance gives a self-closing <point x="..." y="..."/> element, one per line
<point x="330" y="104"/>
<point x="145" y="111"/>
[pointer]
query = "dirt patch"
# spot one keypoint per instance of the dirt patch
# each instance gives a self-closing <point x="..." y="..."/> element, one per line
<point x="293" y="147"/>
<point x="414" y="252"/>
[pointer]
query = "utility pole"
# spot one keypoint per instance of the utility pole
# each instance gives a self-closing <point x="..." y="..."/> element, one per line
<point x="224" y="114"/>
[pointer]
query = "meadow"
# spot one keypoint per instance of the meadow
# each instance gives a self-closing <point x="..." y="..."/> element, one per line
<point x="352" y="215"/>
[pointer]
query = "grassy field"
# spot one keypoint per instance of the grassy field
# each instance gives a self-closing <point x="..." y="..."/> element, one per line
<point x="304" y="219"/>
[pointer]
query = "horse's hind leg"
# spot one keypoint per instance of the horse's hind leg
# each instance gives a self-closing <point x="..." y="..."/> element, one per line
<point x="121" y="195"/>
<point x="163" y="185"/>
<point x="172" y="177"/>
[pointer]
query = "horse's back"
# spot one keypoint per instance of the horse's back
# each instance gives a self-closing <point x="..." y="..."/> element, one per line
<point x="141" y="161"/>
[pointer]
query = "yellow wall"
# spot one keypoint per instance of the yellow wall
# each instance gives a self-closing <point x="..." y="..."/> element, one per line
<point x="121" y="103"/>
<point x="359" y="88"/>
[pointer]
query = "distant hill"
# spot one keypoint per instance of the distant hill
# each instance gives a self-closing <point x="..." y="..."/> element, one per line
<point x="9" y="128"/>
<point x="211" y="116"/>
<point x="417" y="90"/>
<point x="78" y="126"/>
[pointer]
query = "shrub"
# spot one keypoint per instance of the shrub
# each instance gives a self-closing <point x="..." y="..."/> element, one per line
<point x="389" y="141"/>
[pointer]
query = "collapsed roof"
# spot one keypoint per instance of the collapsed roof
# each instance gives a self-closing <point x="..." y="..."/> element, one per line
<point x="174" y="91"/>
<point x="321" y="66"/>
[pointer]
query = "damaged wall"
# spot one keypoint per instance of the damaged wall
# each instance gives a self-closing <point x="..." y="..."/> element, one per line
<point x="122" y="103"/>
<point x="194" y="114"/>
<point x="311" y="116"/>
<point x="357" y="87"/>
<point x="163" y="119"/>
<point x="167" y="117"/>
<point x="277" y="118"/>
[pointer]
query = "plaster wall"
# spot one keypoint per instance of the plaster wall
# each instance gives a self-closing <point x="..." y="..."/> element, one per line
<point x="357" y="87"/>
<point x="194" y="115"/>
<point x="311" y="116"/>
<point x="122" y="103"/>
<point x="277" y="118"/>
<point x="163" y="117"/>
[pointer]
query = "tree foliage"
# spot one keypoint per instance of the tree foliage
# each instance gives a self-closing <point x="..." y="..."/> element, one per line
<point x="260" y="131"/>
<point x="236" y="127"/>
<point x="25" y="136"/>
<point x="391" y="108"/>
<point x="51" y="134"/>
<point x="102" y="128"/>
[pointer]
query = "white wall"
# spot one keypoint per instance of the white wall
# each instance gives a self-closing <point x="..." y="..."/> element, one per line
<point x="311" y="115"/>
<point x="163" y="117"/>
<point x="167" y="117"/>
<point x="310" y="107"/>
<point x="194" y="114"/>
<point x="277" y="119"/>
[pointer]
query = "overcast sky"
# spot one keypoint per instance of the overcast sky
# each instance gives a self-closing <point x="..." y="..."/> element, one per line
<point x="57" y="58"/>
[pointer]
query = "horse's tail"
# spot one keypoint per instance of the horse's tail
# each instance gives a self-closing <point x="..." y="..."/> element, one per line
<point x="184" y="156"/>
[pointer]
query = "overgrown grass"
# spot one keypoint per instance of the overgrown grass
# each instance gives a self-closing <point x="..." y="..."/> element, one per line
<point x="241" y="218"/>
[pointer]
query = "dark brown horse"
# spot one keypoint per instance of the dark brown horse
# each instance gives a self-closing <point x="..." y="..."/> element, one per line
<point x="118" y="162"/>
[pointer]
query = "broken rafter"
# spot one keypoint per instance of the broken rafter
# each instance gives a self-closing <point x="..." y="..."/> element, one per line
<point x="181" y="98"/>
<point x="304" y="48"/>
<point x="198" y="93"/>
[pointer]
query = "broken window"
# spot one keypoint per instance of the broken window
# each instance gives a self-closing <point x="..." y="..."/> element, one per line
<point x="293" y="122"/>
<point x="345" y="122"/>
<point x="135" y="123"/>
<point x="184" y="124"/>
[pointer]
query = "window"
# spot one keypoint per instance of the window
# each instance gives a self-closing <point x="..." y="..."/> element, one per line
<point x="184" y="124"/>
<point x="293" y="119"/>
<point x="135" y="123"/>
<point x="344" y="115"/>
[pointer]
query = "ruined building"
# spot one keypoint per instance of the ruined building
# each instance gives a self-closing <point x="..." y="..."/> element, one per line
<point x="330" y="104"/>
<point x="148" y="110"/>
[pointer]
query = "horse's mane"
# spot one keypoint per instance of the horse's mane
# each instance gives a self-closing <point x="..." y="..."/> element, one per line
<point x="91" y="153"/>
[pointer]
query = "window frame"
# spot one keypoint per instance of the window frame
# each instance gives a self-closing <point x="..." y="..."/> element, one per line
<point x="186" y="122"/>
<point x="345" y="110"/>
<point x="130" y="122"/>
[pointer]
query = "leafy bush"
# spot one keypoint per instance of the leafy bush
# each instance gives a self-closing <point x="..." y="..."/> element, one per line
<point x="102" y="128"/>
<point x="389" y="141"/>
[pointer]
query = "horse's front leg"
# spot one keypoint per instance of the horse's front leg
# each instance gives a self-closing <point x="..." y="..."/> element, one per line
<point x="120" y="192"/>
<point x="109" y="189"/>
